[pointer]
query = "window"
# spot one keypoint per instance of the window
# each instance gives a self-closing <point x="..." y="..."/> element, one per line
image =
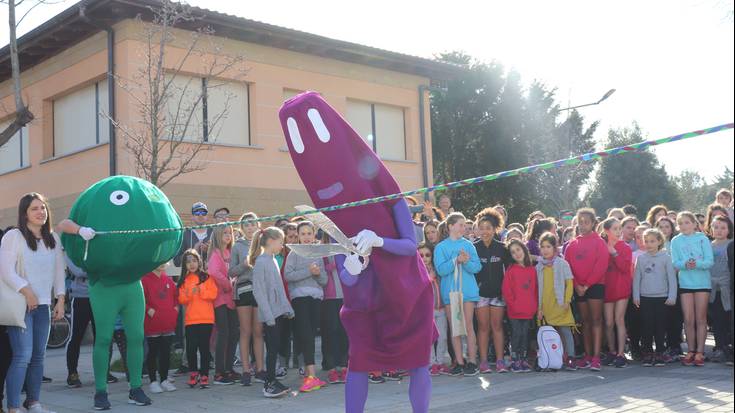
<point x="15" y="153"/>
<point x="221" y="116"/>
<point x="79" y="119"/>
<point x="381" y="126"/>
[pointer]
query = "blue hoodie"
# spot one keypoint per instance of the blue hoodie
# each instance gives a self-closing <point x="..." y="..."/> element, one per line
<point x="445" y="255"/>
<point x="695" y="246"/>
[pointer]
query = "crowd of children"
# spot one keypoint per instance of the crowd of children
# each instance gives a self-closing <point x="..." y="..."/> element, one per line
<point x="617" y="289"/>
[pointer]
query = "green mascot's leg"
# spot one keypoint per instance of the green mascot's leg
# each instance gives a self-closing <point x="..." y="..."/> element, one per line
<point x="133" y="318"/>
<point x="105" y="307"/>
<point x="107" y="302"/>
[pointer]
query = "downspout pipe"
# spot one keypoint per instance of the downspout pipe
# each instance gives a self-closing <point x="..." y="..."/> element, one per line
<point x="110" y="83"/>
<point x="422" y="138"/>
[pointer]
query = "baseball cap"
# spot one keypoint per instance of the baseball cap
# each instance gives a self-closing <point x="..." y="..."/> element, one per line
<point x="199" y="206"/>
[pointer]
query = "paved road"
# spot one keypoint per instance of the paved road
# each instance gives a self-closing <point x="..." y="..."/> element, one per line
<point x="635" y="389"/>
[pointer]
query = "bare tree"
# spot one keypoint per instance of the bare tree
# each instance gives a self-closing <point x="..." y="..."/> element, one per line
<point x="23" y="114"/>
<point x="174" y="127"/>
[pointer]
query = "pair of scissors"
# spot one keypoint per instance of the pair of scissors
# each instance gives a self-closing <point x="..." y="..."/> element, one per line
<point x="342" y="245"/>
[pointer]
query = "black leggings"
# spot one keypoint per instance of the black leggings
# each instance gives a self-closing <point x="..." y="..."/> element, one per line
<point x="81" y="317"/>
<point x="519" y="338"/>
<point x="272" y="344"/>
<point x="6" y="353"/>
<point x="197" y="339"/>
<point x="654" y="313"/>
<point x="674" y="326"/>
<point x="334" y="338"/>
<point x="306" y="310"/>
<point x="159" y="351"/>
<point x="633" y="325"/>
<point x="228" y="334"/>
<point x="720" y="323"/>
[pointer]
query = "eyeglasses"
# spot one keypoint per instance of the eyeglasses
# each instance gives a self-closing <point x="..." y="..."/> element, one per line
<point x="199" y="213"/>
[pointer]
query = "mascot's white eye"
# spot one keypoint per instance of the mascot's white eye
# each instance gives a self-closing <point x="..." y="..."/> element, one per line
<point x="119" y="198"/>
<point x="295" y="135"/>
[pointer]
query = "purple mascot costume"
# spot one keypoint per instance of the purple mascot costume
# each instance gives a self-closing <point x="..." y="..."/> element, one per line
<point x="388" y="300"/>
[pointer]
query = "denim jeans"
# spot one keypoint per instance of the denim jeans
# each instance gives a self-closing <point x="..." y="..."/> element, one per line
<point x="29" y="350"/>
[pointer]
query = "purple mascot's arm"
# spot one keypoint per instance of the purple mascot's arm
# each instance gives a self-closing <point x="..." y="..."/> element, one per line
<point x="406" y="245"/>
<point x="344" y="275"/>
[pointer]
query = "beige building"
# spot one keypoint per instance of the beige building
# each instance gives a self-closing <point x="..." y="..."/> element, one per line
<point x="70" y="144"/>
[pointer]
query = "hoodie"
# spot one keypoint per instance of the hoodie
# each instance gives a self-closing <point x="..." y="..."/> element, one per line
<point x="695" y="246"/>
<point x="520" y="292"/>
<point x="588" y="257"/>
<point x="162" y="296"/>
<point x="198" y="300"/>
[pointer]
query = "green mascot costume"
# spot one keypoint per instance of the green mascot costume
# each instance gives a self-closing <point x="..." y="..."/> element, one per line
<point x="115" y="264"/>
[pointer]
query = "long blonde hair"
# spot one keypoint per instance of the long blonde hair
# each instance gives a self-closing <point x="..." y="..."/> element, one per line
<point x="260" y="239"/>
<point x="217" y="244"/>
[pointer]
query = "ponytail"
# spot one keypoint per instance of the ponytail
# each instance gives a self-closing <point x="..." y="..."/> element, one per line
<point x="255" y="248"/>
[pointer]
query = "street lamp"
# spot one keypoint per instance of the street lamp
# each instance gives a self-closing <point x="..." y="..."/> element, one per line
<point x="602" y="99"/>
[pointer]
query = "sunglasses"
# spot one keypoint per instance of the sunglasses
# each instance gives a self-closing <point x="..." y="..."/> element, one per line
<point x="199" y="213"/>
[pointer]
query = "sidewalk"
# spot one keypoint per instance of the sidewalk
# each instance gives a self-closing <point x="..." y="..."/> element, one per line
<point x="635" y="389"/>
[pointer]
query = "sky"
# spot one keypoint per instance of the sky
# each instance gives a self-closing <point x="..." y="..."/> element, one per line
<point x="671" y="62"/>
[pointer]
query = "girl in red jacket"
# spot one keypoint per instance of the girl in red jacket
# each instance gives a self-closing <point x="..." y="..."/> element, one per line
<point x="618" y="287"/>
<point x="161" y="313"/>
<point x="521" y="297"/>
<point x="588" y="256"/>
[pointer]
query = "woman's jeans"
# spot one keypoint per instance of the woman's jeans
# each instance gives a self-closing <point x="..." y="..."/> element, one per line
<point x="29" y="350"/>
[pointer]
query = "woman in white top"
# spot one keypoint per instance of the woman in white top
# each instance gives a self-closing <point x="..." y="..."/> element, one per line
<point x="32" y="263"/>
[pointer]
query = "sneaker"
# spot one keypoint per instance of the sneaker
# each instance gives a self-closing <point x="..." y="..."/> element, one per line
<point x="675" y="354"/>
<point x="435" y="370"/>
<point x="595" y="364"/>
<point x="260" y="377"/>
<point x="457" y="370"/>
<point x="607" y="359"/>
<point x="204" y="382"/>
<point x="658" y="361"/>
<point x="620" y="362"/>
<point x="333" y="376"/>
<point x="376" y="378"/>
<point x="101" y="402"/>
<point x="525" y="367"/>
<point x="234" y="376"/>
<point x="155" y="387"/>
<point x="138" y="398"/>
<point x="343" y="376"/>
<point x="222" y="380"/>
<point x="470" y="369"/>
<point x="515" y="367"/>
<point x="699" y="360"/>
<point x="584" y="362"/>
<point x="193" y="379"/>
<point x="392" y="375"/>
<point x="281" y="372"/>
<point x="245" y="380"/>
<point x="73" y="381"/>
<point x="45" y="379"/>
<point x="445" y="370"/>
<point x="302" y="373"/>
<point x="688" y="360"/>
<point x="274" y="389"/>
<point x="111" y="379"/>
<point x="569" y="365"/>
<point x="403" y="373"/>
<point x="485" y="368"/>
<point x="665" y="357"/>
<point x="167" y="386"/>
<point x="38" y="408"/>
<point x="647" y="360"/>
<point x="171" y="379"/>
<point x="717" y="356"/>
<point x="310" y="383"/>
<point x="500" y="366"/>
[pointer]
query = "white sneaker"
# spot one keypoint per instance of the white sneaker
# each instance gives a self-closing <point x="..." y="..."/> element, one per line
<point x="37" y="408"/>
<point x="167" y="386"/>
<point x="156" y="387"/>
<point x="171" y="379"/>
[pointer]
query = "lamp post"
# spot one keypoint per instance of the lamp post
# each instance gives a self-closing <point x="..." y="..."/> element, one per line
<point x="602" y="99"/>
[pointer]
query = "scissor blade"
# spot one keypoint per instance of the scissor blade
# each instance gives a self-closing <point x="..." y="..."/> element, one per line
<point x="326" y="225"/>
<point x="315" y="251"/>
